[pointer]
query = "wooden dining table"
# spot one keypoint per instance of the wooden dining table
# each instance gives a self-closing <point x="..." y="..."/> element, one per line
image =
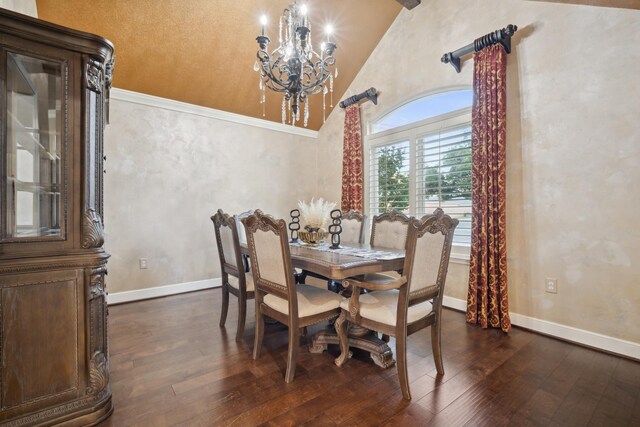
<point x="338" y="266"/>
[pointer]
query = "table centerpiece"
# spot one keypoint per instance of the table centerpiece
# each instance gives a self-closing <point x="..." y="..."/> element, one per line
<point x="315" y="217"/>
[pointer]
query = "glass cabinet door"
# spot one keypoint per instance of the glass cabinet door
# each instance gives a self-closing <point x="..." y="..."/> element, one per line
<point x="33" y="147"/>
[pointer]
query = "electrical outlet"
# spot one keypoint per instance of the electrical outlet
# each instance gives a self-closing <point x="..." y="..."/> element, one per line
<point x="143" y="263"/>
<point x="551" y="285"/>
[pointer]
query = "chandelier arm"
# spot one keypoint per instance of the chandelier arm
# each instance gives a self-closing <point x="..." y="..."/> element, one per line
<point x="310" y="77"/>
<point x="315" y="75"/>
<point x="282" y="69"/>
<point x="275" y="84"/>
<point x="276" y="89"/>
<point x="267" y="69"/>
<point x="313" y="88"/>
<point x="318" y="83"/>
<point x="326" y="63"/>
<point x="316" y="89"/>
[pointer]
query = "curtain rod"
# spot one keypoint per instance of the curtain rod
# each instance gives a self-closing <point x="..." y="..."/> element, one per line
<point x="370" y="93"/>
<point x="502" y="36"/>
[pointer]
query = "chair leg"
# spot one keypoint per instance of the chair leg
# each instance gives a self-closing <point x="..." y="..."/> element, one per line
<point x="225" y="305"/>
<point x="341" y="329"/>
<point x="300" y="277"/>
<point x="401" y="360"/>
<point x="259" y="334"/>
<point x="242" y="314"/>
<point x="293" y="353"/>
<point x="436" y="346"/>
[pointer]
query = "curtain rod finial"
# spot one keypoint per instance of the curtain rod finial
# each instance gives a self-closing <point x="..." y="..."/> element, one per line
<point x="449" y="58"/>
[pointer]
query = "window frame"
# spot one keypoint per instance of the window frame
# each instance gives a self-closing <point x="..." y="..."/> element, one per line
<point x="413" y="132"/>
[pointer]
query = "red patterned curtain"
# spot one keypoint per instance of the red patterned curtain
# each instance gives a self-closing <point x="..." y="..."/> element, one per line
<point x="352" y="160"/>
<point x="487" y="301"/>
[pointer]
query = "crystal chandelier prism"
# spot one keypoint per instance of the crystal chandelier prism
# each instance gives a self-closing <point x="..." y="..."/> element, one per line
<point x="294" y="68"/>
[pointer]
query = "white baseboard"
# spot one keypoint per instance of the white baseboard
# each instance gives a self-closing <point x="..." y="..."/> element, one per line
<point x="161" y="291"/>
<point x="568" y="333"/>
<point x="455" y="303"/>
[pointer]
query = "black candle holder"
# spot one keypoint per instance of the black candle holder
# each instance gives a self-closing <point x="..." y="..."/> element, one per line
<point x="294" y="225"/>
<point x="335" y="228"/>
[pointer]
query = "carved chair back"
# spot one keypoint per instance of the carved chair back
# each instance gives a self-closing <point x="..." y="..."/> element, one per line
<point x="242" y="234"/>
<point x="353" y="223"/>
<point x="427" y="256"/>
<point x="268" y="244"/>
<point x="228" y="245"/>
<point x="390" y="230"/>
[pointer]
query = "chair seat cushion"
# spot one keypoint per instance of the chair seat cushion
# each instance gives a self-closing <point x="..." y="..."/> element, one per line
<point x="311" y="300"/>
<point x="235" y="283"/>
<point x="382" y="307"/>
<point x="380" y="278"/>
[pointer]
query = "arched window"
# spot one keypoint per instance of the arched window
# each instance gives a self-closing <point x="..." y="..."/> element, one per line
<point x="420" y="159"/>
<point x="426" y="107"/>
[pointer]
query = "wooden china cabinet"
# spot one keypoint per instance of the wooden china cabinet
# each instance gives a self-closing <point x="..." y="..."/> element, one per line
<point x="54" y="362"/>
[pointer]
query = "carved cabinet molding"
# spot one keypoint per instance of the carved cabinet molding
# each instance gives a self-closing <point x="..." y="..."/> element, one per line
<point x="53" y="307"/>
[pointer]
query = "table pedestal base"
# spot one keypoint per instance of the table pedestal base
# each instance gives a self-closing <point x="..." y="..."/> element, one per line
<point x="361" y="338"/>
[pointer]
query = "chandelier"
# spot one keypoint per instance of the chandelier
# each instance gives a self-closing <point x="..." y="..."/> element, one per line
<point x="294" y="68"/>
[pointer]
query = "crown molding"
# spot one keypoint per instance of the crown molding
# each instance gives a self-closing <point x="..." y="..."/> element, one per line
<point x="197" y="110"/>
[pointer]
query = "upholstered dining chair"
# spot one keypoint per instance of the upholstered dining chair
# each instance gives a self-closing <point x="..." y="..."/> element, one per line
<point x="242" y="235"/>
<point x="232" y="266"/>
<point x="353" y="224"/>
<point x="389" y="230"/>
<point x="277" y="295"/>
<point x="402" y="306"/>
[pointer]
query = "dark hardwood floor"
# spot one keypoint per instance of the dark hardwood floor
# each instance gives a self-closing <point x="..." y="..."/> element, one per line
<point x="171" y="364"/>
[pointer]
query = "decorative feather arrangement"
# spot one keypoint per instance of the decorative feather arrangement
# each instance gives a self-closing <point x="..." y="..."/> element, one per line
<point x="315" y="215"/>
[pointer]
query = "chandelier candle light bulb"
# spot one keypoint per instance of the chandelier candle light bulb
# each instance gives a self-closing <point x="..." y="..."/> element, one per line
<point x="263" y="21"/>
<point x="294" y="68"/>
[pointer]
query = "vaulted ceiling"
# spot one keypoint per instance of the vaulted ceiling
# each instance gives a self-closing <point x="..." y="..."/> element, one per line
<point x="203" y="51"/>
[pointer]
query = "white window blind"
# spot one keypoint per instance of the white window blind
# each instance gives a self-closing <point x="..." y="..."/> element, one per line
<point x="389" y="180"/>
<point x="443" y="177"/>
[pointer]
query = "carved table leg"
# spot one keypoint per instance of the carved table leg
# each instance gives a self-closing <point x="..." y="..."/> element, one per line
<point x="368" y="341"/>
<point x="341" y="329"/>
<point x="384" y="359"/>
<point x="321" y="339"/>
<point x="317" y="348"/>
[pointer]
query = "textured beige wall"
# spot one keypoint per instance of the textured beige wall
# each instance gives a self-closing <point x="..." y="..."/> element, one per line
<point x="26" y="7"/>
<point x="573" y="146"/>
<point x="168" y="172"/>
